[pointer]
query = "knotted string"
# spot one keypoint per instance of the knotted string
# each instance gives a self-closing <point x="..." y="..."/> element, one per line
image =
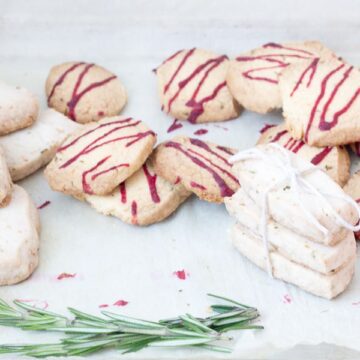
<point x="292" y="175"/>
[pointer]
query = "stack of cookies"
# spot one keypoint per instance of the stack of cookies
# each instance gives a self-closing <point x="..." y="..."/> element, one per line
<point x="293" y="220"/>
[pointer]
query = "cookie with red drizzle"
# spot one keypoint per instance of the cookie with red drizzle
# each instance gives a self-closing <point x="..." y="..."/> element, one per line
<point x="143" y="199"/>
<point x="253" y="77"/>
<point x="99" y="156"/>
<point x="202" y="167"/>
<point x="334" y="160"/>
<point x="192" y="86"/>
<point x="84" y="92"/>
<point x="321" y="102"/>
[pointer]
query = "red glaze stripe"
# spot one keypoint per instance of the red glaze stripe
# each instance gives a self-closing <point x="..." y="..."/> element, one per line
<point x="203" y="145"/>
<point x="134" y="212"/>
<point x="201" y="132"/>
<point x="279" y="46"/>
<point x="198" y="107"/>
<point x="279" y="135"/>
<point x="314" y="109"/>
<point x="151" y="180"/>
<point x="225" y="190"/>
<point x="298" y="146"/>
<point x="66" y="146"/>
<point x="266" y="127"/>
<point x="224" y="171"/>
<point x="225" y="150"/>
<point x="197" y="186"/>
<point x="321" y="156"/>
<point x="76" y="95"/>
<point x="93" y="177"/>
<point x="86" y="186"/>
<point x="312" y="69"/>
<point x="181" y="84"/>
<point x="280" y="59"/>
<point x="182" y="63"/>
<point x="122" y="189"/>
<point x="62" y="78"/>
<point x="174" y="126"/>
<point x="95" y="144"/>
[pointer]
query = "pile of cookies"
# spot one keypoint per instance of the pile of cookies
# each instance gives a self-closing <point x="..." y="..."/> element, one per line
<point x="111" y="162"/>
<point x="293" y="220"/>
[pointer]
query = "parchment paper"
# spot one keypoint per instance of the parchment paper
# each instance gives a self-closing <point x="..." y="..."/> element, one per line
<point x="114" y="261"/>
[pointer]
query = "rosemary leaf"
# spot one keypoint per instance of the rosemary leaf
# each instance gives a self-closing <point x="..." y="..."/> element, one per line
<point x="86" y="334"/>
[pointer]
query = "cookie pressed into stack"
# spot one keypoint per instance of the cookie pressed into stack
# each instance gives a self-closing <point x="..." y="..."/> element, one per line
<point x="293" y="220"/>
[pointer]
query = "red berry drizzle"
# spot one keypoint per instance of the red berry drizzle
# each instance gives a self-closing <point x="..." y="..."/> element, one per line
<point x="204" y="69"/>
<point x="76" y="94"/>
<point x="266" y="127"/>
<point x="273" y="61"/>
<point x="201" y="132"/>
<point x="151" y="181"/>
<point x="295" y="145"/>
<point x="310" y="69"/>
<point x="202" y="161"/>
<point x="101" y="141"/>
<point x="174" y="126"/>
<point x="134" y="212"/>
<point x="326" y="96"/>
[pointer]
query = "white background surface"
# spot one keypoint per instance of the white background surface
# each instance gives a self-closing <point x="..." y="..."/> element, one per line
<point x="117" y="261"/>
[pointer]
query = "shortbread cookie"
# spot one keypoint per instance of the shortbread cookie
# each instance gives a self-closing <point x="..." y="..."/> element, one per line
<point x="5" y="181"/>
<point x="30" y="149"/>
<point x="334" y="160"/>
<point x="18" y="108"/>
<point x="99" y="156"/>
<point x="84" y="92"/>
<point x="253" y="77"/>
<point x="318" y="257"/>
<point x="321" y="102"/>
<point x="202" y="167"/>
<point x="142" y="199"/>
<point x="19" y="238"/>
<point x="262" y="171"/>
<point x="327" y="286"/>
<point x="192" y="86"/>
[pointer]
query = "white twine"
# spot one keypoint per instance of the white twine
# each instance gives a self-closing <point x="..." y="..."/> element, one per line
<point x="295" y="177"/>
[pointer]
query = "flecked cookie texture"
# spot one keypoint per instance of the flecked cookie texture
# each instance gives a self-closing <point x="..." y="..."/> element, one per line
<point x="99" y="156"/>
<point x="5" y="181"/>
<point x="30" y="149"/>
<point x="253" y="77"/>
<point x="202" y="167"/>
<point x="19" y="238"/>
<point x="142" y="199"/>
<point x="192" y="86"/>
<point x="321" y="102"/>
<point x="334" y="160"/>
<point x="84" y="92"/>
<point x="18" y="108"/>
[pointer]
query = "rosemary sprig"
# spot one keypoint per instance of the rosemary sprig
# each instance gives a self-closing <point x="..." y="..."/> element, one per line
<point x="86" y="334"/>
